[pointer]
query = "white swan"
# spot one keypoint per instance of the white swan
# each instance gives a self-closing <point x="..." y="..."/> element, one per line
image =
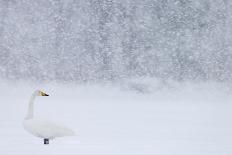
<point x="43" y="129"/>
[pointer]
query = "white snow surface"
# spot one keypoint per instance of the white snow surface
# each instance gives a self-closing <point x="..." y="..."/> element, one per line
<point x="109" y="120"/>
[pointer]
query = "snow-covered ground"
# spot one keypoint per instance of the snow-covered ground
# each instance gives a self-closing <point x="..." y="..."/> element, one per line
<point x="186" y="120"/>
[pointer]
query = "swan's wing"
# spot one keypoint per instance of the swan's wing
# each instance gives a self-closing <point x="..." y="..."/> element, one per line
<point x="46" y="129"/>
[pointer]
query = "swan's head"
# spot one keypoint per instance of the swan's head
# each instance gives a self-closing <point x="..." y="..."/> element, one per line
<point x="40" y="93"/>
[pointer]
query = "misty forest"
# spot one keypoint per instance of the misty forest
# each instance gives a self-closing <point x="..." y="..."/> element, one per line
<point x="108" y="40"/>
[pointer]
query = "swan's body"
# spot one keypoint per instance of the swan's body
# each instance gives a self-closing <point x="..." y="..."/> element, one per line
<point x="43" y="129"/>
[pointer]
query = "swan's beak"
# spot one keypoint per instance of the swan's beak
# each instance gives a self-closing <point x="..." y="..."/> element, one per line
<point x="43" y="94"/>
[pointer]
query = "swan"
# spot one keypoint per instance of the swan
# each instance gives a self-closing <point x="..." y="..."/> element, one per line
<point x="43" y="128"/>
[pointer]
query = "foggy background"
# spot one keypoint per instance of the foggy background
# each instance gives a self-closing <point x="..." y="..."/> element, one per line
<point x="107" y="40"/>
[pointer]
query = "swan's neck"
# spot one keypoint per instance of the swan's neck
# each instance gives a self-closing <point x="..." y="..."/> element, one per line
<point x="30" y="112"/>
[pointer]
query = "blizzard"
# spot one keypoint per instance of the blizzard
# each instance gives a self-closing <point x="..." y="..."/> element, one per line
<point x="129" y="77"/>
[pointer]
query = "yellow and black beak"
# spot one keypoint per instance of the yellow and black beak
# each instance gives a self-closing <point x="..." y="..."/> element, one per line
<point x="43" y="94"/>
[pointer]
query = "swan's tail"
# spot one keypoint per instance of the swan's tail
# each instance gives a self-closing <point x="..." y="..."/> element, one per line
<point x="65" y="132"/>
<point x="71" y="133"/>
